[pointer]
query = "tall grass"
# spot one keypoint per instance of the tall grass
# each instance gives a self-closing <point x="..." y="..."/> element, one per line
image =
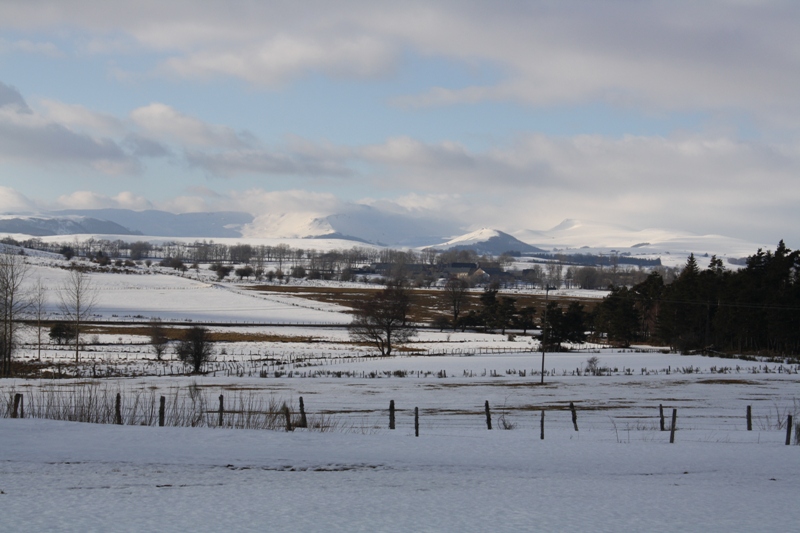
<point x="189" y="406"/>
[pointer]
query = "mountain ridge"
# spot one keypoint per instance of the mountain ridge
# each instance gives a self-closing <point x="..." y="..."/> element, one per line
<point x="369" y="225"/>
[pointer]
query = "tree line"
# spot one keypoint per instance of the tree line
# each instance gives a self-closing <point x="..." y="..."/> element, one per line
<point x="750" y="310"/>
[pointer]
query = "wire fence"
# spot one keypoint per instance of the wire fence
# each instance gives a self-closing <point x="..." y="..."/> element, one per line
<point x="200" y="406"/>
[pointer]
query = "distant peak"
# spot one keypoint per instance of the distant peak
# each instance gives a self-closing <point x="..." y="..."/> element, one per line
<point x="567" y="223"/>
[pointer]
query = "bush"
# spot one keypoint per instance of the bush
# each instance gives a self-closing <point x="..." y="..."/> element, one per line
<point x="172" y="262"/>
<point x="244" y="272"/>
<point x="223" y="271"/>
<point x="441" y="322"/>
<point x="62" y="333"/>
<point x="195" y="349"/>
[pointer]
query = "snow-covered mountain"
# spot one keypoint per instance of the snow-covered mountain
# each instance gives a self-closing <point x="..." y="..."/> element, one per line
<point x="487" y="241"/>
<point x="165" y="224"/>
<point x="357" y="223"/>
<point x="672" y="246"/>
<point x="44" y="225"/>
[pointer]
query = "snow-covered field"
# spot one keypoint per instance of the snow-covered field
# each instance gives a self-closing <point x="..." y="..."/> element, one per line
<point x="617" y="473"/>
<point x="174" y="297"/>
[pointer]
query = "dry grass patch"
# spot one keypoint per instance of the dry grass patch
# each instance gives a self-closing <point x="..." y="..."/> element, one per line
<point x="174" y="333"/>
<point x="428" y="303"/>
<point x="727" y="382"/>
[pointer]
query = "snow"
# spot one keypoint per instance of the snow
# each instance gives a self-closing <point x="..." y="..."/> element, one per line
<point x="175" y="297"/>
<point x="617" y="473"/>
<point x="295" y="225"/>
<point x="573" y="236"/>
<point x="60" y="476"/>
<point x="475" y="237"/>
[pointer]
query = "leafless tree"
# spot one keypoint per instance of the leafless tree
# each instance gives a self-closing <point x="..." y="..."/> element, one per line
<point x="195" y="348"/>
<point x="38" y="309"/>
<point x="77" y="301"/>
<point x="554" y="274"/>
<point x="383" y="319"/>
<point x="158" y="337"/>
<point x="456" y="294"/>
<point x="13" y="270"/>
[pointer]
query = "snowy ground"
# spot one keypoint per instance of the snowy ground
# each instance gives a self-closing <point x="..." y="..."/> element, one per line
<point x="59" y="476"/>
<point x="617" y="473"/>
<point x="170" y="296"/>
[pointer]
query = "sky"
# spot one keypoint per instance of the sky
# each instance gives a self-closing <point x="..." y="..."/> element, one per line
<point x="511" y="114"/>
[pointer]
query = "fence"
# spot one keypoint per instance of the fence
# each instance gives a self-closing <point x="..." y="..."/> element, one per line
<point x="196" y="407"/>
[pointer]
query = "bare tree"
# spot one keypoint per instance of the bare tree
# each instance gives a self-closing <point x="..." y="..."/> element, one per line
<point x="78" y="298"/>
<point x="383" y="319"/>
<point x="38" y="309"/>
<point x="455" y="296"/>
<point x="554" y="274"/>
<point x="158" y="337"/>
<point x="195" y="348"/>
<point x="13" y="303"/>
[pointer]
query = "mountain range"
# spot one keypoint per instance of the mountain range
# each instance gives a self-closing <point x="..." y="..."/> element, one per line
<point x="366" y="224"/>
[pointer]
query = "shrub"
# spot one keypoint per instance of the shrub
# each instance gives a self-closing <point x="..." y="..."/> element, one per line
<point x="61" y="333"/>
<point x="195" y="349"/>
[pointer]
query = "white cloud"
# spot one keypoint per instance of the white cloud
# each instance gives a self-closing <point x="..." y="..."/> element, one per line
<point x="85" y="200"/>
<point x="260" y="201"/>
<point x="702" y="55"/>
<point x="12" y="201"/>
<point x="78" y="117"/>
<point x="31" y="47"/>
<point x="164" y="121"/>
<point x="282" y="58"/>
<point x="31" y="139"/>
<point x="264" y="161"/>
<point x="94" y="200"/>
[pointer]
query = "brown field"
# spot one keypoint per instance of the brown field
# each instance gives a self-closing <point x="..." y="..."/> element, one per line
<point x="428" y="303"/>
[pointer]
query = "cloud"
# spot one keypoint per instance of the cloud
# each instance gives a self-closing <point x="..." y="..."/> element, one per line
<point x="161" y="120"/>
<point x="93" y="200"/>
<point x="12" y="100"/>
<point x="67" y="133"/>
<point x="265" y="162"/>
<point x="732" y="57"/>
<point x="12" y="201"/>
<point x="33" y="138"/>
<point x="141" y="146"/>
<point x="80" y="118"/>
<point x="260" y="201"/>
<point x="44" y="48"/>
<point x="282" y="58"/>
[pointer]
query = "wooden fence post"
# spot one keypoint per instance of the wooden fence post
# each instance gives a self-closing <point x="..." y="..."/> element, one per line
<point x="488" y="415"/>
<point x="672" y="429"/>
<point x="574" y="416"/>
<point x="17" y="400"/>
<point x="416" y="421"/>
<point x="788" y="430"/>
<point x="541" y="427"/>
<point x="661" y="415"/>
<point x="161" y="411"/>
<point x="303" y="419"/>
<point x="221" y="410"/>
<point x="118" y="410"/>
<point x="391" y="414"/>
<point x="749" y="419"/>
